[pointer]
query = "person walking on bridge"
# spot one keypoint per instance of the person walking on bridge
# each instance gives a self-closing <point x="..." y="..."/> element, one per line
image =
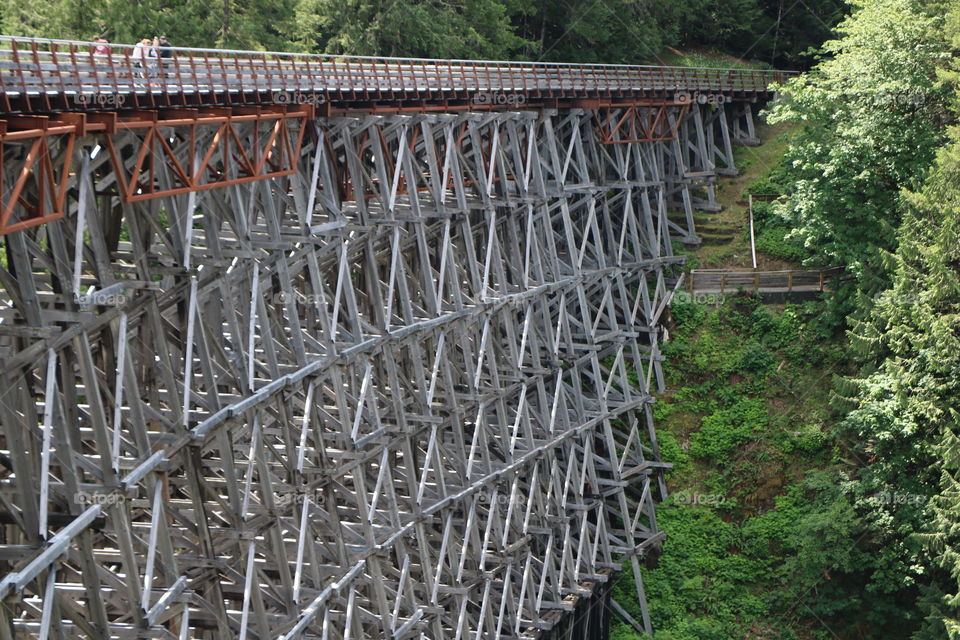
<point x="165" y="52"/>
<point x="144" y="57"/>
<point x="139" y="57"/>
<point x="100" y="46"/>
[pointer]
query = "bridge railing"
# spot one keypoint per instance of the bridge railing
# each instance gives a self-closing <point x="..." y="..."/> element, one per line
<point x="38" y="67"/>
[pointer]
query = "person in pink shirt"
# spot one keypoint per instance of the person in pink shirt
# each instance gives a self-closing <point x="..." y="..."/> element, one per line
<point x="101" y="46"/>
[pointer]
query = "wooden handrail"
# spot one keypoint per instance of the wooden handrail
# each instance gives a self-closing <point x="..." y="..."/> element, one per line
<point x="788" y="280"/>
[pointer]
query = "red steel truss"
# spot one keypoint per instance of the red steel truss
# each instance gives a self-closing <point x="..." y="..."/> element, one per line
<point x="187" y="140"/>
<point x="638" y="124"/>
<point x="34" y="190"/>
<point x="176" y="149"/>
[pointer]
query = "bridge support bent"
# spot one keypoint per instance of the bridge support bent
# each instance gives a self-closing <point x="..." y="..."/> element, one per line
<point x="400" y="390"/>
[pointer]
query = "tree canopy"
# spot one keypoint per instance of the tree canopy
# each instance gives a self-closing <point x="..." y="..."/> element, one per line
<point x="613" y="31"/>
<point x="871" y="126"/>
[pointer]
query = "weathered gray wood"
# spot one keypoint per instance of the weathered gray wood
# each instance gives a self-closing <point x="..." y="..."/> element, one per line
<point x="404" y="407"/>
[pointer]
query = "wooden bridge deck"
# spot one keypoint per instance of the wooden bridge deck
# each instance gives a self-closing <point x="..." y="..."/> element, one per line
<point x="43" y="76"/>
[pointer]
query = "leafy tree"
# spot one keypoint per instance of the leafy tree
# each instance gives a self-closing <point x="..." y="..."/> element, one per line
<point x="871" y="123"/>
<point x="56" y="19"/>
<point x="778" y="32"/>
<point x="418" y="28"/>
<point x="790" y="32"/>
<point x="615" y="31"/>
<point x="247" y="24"/>
<point x="916" y="325"/>
<point x="906" y="405"/>
<point x="727" y="25"/>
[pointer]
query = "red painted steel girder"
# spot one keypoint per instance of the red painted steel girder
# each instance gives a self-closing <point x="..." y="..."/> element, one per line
<point x="271" y="152"/>
<point x="651" y="124"/>
<point x="38" y="191"/>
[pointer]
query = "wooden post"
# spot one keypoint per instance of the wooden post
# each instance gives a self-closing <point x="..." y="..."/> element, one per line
<point x="753" y="245"/>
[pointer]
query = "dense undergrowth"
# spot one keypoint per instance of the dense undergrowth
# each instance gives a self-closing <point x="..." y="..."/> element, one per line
<point x="755" y="477"/>
<point x="816" y="446"/>
<point x="771" y="530"/>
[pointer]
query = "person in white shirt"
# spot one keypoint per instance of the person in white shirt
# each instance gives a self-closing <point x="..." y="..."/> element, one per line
<point x="143" y="54"/>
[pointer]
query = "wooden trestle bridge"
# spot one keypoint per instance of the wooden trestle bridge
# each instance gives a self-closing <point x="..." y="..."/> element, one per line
<point x="326" y="347"/>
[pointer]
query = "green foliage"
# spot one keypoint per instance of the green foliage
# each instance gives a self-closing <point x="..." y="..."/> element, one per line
<point x="841" y="511"/>
<point x="739" y="439"/>
<point x="615" y="31"/>
<point x="775" y="240"/>
<point x="245" y="24"/>
<point x="879" y="542"/>
<point x="725" y="429"/>
<point x="871" y="115"/>
<point x="687" y="316"/>
<point x="805" y="438"/>
<point x="713" y="61"/>
<point x="425" y="28"/>
<point x="624" y="632"/>
<point x="673" y="452"/>
<point x="697" y="587"/>
<point x="758" y="29"/>
<point x="905" y="406"/>
<point x="773" y="519"/>
<point x="732" y="579"/>
<point x="755" y="359"/>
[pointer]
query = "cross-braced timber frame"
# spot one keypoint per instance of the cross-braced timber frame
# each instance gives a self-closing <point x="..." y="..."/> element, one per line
<point x="279" y="376"/>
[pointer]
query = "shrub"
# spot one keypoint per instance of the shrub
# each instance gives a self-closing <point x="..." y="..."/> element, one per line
<point x="755" y="359"/>
<point x="688" y="316"/>
<point x="774" y="241"/>
<point x="726" y="429"/>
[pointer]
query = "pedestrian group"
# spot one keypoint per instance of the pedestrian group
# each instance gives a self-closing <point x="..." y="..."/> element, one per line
<point x="152" y="59"/>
